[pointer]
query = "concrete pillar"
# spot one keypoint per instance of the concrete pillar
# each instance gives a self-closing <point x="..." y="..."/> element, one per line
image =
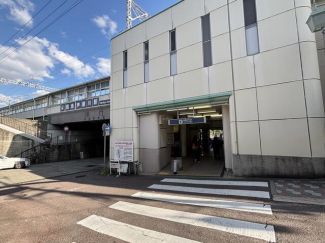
<point x="227" y="137"/>
<point x="183" y="140"/>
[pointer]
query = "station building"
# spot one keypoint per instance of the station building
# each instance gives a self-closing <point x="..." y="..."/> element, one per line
<point x="249" y="68"/>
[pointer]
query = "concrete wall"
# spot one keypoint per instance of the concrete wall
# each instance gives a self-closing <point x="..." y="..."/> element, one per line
<point x="12" y="144"/>
<point x="277" y="106"/>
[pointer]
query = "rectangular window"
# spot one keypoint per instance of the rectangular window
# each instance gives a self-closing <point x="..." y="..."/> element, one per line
<point x="173" y="53"/>
<point x="206" y="37"/>
<point x="125" y="71"/>
<point x="252" y="41"/>
<point x="146" y="62"/>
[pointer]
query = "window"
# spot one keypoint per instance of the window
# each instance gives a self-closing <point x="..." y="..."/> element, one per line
<point x="252" y="42"/>
<point x="206" y="37"/>
<point x="146" y="62"/>
<point x="77" y="94"/>
<point x="173" y="53"/>
<point x="125" y="69"/>
<point x="98" y="89"/>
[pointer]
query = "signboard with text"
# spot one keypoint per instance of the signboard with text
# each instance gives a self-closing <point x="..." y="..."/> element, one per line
<point x="123" y="151"/>
<point x="184" y="121"/>
<point x="83" y="104"/>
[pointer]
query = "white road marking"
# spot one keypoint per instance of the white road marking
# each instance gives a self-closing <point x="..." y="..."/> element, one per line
<point x="226" y="192"/>
<point x="217" y="182"/>
<point x="127" y="232"/>
<point x="238" y="227"/>
<point x="239" y="206"/>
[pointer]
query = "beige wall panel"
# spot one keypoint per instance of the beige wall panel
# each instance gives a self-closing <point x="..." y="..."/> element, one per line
<point x="135" y="55"/>
<point x="232" y="108"/>
<point x="191" y="84"/>
<point x="189" y="33"/>
<point x="236" y="10"/>
<point x="136" y="75"/>
<point x="135" y="134"/>
<point x="267" y="8"/>
<point x="233" y="132"/>
<point x="246" y="105"/>
<point x="128" y="117"/>
<point x="221" y="49"/>
<point x="159" y="24"/>
<point x="238" y="42"/>
<point x="211" y="5"/>
<point x="192" y="8"/>
<point x="281" y="101"/>
<point x="118" y="44"/>
<point x="314" y="98"/>
<point x="220" y="78"/>
<point x="118" y="118"/>
<point x="149" y="131"/>
<point x="278" y="66"/>
<point x="128" y="134"/>
<point x="285" y="137"/>
<point x="219" y="21"/>
<point x="135" y="36"/>
<point x="304" y="32"/>
<point x="160" y="90"/>
<point x="309" y="58"/>
<point x="317" y="136"/>
<point x="301" y="3"/>
<point x="244" y="74"/>
<point x="159" y="67"/>
<point x="117" y="134"/>
<point x="284" y="34"/>
<point x="117" y="62"/>
<point x="249" y="138"/>
<point x="159" y="45"/>
<point x="117" y="81"/>
<point x="190" y="58"/>
<point x="118" y="99"/>
<point x="135" y="96"/>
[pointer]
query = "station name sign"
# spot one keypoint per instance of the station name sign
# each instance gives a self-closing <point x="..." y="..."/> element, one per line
<point x="184" y="121"/>
<point x="83" y="104"/>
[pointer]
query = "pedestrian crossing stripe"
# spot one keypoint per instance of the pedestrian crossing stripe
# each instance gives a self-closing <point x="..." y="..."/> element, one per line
<point x="217" y="182"/>
<point x="238" y="227"/>
<point x="225" y="192"/>
<point x="238" y="206"/>
<point x="127" y="232"/>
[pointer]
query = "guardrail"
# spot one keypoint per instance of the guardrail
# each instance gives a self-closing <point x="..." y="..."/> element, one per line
<point x="26" y="128"/>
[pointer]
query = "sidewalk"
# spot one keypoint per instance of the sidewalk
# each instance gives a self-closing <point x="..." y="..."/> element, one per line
<point x="298" y="191"/>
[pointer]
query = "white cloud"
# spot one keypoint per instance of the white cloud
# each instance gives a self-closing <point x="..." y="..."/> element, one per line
<point x="107" y="26"/>
<point x="39" y="93"/>
<point x="4" y="100"/>
<point x="104" y="66"/>
<point x="20" y="11"/>
<point x="37" y="58"/>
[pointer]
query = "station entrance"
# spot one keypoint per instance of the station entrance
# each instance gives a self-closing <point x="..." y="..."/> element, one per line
<point x="199" y="147"/>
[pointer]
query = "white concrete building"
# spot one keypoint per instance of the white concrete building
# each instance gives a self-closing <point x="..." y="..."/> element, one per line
<point x="252" y="61"/>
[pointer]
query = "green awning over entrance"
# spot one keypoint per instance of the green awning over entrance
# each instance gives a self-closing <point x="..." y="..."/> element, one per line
<point x="211" y="99"/>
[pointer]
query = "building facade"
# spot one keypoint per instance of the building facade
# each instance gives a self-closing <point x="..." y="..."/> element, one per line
<point x="252" y="63"/>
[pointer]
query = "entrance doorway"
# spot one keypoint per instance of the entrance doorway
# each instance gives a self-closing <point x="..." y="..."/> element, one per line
<point x="200" y="147"/>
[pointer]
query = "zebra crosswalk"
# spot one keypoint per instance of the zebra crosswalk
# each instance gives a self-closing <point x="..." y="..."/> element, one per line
<point x="129" y="232"/>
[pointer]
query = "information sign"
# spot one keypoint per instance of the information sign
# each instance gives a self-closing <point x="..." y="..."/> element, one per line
<point x="184" y="121"/>
<point x="123" y="151"/>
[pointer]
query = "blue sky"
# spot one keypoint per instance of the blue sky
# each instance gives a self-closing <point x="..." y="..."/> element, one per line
<point x="73" y="50"/>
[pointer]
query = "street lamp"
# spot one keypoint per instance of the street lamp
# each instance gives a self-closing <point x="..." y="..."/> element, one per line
<point x="316" y="20"/>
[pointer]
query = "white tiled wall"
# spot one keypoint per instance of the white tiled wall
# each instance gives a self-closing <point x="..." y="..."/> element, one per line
<point x="276" y="93"/>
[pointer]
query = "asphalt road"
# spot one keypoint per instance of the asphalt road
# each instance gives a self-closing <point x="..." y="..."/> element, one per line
<point x="49" y="210"/>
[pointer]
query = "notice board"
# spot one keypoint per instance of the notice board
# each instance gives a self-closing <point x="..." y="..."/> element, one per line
<point x="123" y="151"/>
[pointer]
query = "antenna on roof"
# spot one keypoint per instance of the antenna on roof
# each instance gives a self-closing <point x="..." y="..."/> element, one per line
<point x="132" y="8"/>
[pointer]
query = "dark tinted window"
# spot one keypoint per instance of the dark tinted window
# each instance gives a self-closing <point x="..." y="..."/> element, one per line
<point x="249" y="12"/>
<point x="146" y="51"/>
<point x="206" y="30"/>
<point x="207" y="54"/>
<point x="173" y="40"/>
<point x="125" y="59"/>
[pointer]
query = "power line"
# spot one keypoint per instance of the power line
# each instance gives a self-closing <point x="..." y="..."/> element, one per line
<point x="32" y="30"/>
<point x="64" y="13"/>
<point x="26" y="23"/>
